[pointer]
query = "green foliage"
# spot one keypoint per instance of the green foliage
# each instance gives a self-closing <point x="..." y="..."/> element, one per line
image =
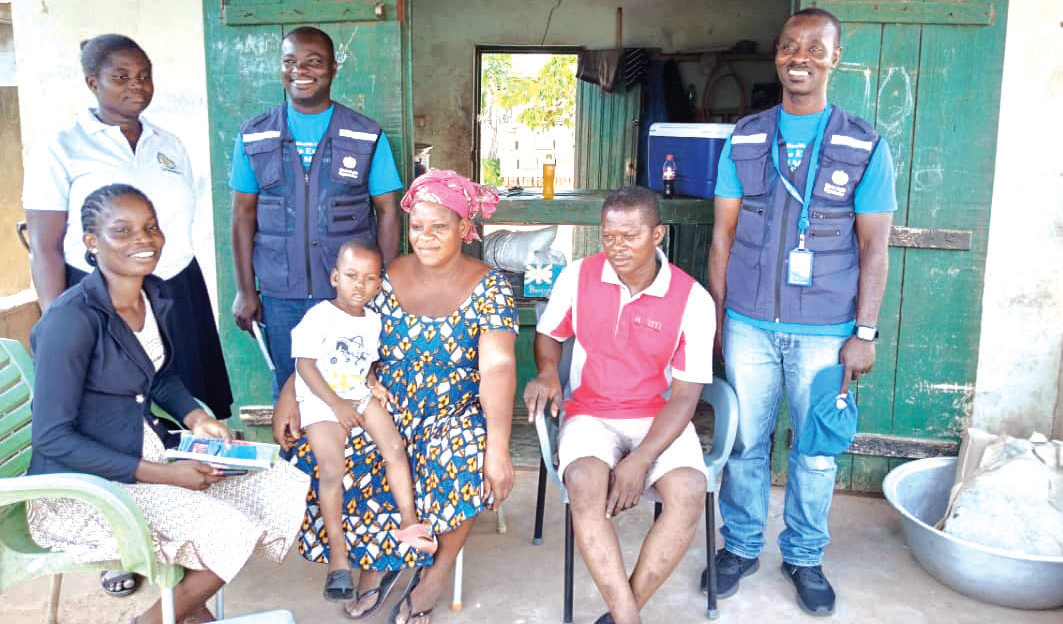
<point x="550" y="98"/>
<point x="492" y="171"/>
<point x="543" y="102"/>
<point x="494" y="78"/>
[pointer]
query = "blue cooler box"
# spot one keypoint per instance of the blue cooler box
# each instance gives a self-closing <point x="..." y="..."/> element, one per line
<point x="697" y="151"/>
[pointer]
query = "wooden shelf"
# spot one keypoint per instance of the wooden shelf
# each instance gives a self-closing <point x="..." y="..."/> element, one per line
<point x="584" y="208"/>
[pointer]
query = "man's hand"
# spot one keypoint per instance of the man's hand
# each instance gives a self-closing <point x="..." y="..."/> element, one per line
<point x="498" y="476"/>
<point x="286" y="431"/>
<point x="201" y="423"/>
<point x="247" y="308"/>
<point x="858" y="356"/>
<point x="627" y="481"/>
<point x="544" y="389"/>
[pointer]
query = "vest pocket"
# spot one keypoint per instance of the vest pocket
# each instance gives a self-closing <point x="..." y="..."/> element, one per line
<point x="752" y="162"/>
<point x="743" y="279"/>
<point x="347" y="214"/>
<point x="272" y="215"/>
<point x="270" y="261"/>
<point x="837" y="179"/>
<point x="831" y="229"/>
<point x="832" y="296"/>
<point x="350" y="161"/>
<point x="265" y="158"/>
<point x="752" y="221"/>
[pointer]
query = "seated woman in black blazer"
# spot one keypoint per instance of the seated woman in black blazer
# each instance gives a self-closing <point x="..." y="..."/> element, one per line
<point x="102" y="356"/>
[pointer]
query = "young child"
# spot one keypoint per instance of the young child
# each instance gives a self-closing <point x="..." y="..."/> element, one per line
<point x="334" y="346"/>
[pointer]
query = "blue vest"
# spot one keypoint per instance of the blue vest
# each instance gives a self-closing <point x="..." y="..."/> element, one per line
<point x="305" y="215"/>
<point x="767" y="223"/>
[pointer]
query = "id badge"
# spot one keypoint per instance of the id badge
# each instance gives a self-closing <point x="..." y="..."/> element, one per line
<point x="800" y="268"/>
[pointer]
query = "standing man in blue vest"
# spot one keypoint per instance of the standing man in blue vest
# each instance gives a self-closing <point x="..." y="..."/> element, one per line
<point x="798" y="265"/>
<point x="307" y="176"/>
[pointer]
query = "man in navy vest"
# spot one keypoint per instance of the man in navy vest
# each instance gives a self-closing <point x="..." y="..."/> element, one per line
<point x="797" y="269"/>
<point x="307" y="176"/>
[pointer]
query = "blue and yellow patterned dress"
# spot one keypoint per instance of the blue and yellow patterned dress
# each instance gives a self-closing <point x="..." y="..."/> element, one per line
<point x="430" y="364"/>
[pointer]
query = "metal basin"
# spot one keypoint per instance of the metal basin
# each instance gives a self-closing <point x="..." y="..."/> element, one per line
<point x="919" y="490"/>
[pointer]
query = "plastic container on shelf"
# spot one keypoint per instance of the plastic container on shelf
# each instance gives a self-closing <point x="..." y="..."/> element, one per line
<point x="696" y="149"/>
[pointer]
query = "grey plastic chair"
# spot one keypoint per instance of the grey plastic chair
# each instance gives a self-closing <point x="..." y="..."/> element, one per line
<point x="724" y="403"/>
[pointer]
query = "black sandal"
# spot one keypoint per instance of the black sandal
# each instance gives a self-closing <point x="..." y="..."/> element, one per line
<point x="110" y="579"/>
<point x="408" y="602"/>
<point x="381" y="591"/>
<point x="339" y="586"/>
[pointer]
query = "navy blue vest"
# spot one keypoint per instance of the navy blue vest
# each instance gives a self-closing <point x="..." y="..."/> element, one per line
<point x="305" y="215"/>
<point x="767" y="222"/>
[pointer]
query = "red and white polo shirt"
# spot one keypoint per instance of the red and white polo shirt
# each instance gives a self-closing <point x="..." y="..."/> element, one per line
<point x="629" y="348"/>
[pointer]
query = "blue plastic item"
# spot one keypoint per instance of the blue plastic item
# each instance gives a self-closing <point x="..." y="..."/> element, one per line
<point x="697" y="151"/>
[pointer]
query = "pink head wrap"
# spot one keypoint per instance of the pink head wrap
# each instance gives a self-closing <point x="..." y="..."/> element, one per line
<point x="455" y="191"/>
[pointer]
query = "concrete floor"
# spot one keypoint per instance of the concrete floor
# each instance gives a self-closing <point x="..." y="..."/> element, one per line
<point x="507" y="579"/>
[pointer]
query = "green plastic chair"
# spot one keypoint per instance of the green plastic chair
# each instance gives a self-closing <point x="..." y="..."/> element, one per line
<point x="20" y="558"/>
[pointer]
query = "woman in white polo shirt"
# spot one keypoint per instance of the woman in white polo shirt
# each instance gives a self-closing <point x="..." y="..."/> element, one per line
<point x="109" y="144"/>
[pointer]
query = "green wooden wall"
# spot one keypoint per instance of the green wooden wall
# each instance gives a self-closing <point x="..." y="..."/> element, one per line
<point x="606" y="146"/>
<point x="928" y="75"/>
<point x="243" y="65"/>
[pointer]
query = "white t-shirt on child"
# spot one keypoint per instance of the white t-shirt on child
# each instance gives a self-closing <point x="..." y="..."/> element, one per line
<point x="344" y="347"/>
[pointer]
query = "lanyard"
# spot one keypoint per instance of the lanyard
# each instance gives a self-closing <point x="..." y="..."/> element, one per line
<point x="810" y="177"/>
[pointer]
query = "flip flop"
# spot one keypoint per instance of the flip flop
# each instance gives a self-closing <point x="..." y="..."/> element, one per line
<point x="118" y="578"/>
<point x="408" y="602"/>
<point x="605" y="618"/>
<point x="199" y="618"/>
<point x="418" y="536"/>
<point x="339" y="586"/>
<point x="382" y="591"/>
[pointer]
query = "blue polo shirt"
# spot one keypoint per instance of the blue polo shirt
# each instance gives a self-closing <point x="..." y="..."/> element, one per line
<point x="876" y="192"/>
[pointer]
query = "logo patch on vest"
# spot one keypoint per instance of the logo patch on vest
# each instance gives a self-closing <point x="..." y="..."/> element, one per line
<point x="838" y="189"/>
<point x="166" y="163"/>
<point x="348" y="168"/>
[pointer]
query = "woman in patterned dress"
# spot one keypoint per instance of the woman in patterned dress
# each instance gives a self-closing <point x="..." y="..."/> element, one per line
<point x="102" y="355"/>
<point x="447" y="358"/>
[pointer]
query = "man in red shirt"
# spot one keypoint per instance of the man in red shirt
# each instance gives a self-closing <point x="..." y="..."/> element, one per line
<point x="643" y="334"/>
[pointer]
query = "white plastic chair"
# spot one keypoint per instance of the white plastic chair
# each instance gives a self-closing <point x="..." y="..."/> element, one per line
<point x="724" y="403"/>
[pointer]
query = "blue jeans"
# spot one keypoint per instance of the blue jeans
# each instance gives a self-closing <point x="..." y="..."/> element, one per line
<point x="760" y="363"/>
<point x="280" y="316"/>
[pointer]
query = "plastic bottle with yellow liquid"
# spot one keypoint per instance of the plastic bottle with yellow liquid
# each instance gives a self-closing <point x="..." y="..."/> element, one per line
<point x="548" y="178"/>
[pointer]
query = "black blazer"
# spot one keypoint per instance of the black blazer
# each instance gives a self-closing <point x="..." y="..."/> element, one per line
<point x="94" y="384"/>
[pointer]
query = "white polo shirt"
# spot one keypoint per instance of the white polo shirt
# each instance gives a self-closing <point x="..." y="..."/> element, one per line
<point x="63" y="169"/>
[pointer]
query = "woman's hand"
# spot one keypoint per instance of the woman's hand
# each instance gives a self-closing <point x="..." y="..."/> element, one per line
<point x="192" y="475"/>
<point x="498" y="476"/>
<point x="201" y="423"/>
<point x="348" y="417"/>
<point x="382" y="394"/>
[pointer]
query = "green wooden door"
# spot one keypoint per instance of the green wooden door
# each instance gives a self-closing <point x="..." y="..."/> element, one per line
<point x="243" y="62"/>
<point x="927" y="74"/>
<point x="607" y="127"/>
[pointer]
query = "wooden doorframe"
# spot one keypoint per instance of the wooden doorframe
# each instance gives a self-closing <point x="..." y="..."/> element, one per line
<point x="478" y="52"/>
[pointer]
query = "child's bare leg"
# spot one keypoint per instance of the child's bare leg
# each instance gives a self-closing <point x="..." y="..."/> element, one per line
<point x="378" y="423"/>
<point x="327" y="440"/>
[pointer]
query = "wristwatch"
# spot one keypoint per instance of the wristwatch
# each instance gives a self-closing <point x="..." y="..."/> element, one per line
<point x="865" y="332"/>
